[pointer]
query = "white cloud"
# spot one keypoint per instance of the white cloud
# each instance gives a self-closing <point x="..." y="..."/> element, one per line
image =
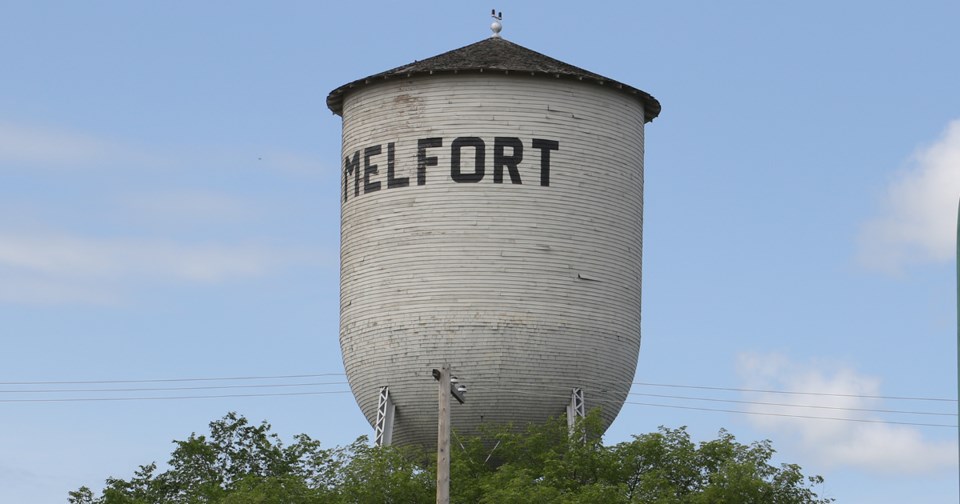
<point x="879" y="447"/>
<point x="30" y="145"/>
<point x="33" y="145"/>
<point x="34" y="290"/>
<point x="91" y="267"/>
<point x="55" y="269"/>
<point x="188" y="206"/>
<point x="920" y="209"/>
<point x="109" y="258"/>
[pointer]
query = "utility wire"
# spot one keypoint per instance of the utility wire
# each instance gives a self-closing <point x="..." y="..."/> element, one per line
<point x="80" y="382"/>
<point x="149" y="389"/>
<point x="845" y="419"/>
<point x="282" y="385"/>
<point x="166" y="398"/>
<point x="316" y="375"/>
<point x="862" y="396"/>
<point x="605" y="388"/>
<point x="288" y="394"/>
<point x="220" y="387"/>
<point x="812" y="406"/>
<point x="861" y="420"/>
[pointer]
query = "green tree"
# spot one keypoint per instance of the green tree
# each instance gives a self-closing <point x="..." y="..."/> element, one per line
<point x="240" y="463"/>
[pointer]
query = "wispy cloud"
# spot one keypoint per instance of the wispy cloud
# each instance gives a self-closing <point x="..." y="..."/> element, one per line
<point x="106" y="258"/>
<point x="22" y="144"/>
<point x="188" y="206"/>
<point x="880" y="447"/>
<point x="920" y="209"/>
<point x="40" y="290"/>
<point x="68" y="269"/>
<point x="31" y="145"/>
<point x="168" y="196"/>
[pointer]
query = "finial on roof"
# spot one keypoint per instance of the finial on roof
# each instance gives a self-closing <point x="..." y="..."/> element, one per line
<point x="495" y="27"/>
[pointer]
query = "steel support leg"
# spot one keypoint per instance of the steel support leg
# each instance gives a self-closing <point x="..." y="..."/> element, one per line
<point x="383" y="431"/>
<point x="575" y="410"/>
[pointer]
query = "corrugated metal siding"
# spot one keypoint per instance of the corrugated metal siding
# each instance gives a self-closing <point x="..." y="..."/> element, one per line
<point x="526" y="290"/>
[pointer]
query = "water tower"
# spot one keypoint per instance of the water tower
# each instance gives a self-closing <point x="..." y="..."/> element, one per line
<point x="491" y="218"/>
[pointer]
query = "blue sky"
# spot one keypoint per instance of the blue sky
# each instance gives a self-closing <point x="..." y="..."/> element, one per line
<point x="169" y="209"/>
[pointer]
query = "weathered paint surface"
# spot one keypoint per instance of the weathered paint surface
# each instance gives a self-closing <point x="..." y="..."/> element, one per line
<point x="526" y="289"/>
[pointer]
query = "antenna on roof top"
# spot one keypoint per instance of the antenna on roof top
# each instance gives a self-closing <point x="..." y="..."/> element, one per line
<point x="496" y="26"/>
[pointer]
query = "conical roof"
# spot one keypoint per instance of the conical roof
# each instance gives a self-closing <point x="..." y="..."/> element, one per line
<point x="497" y="55"/>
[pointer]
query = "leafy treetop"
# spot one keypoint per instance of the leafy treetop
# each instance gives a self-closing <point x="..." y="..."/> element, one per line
<point x="241" y="463"/>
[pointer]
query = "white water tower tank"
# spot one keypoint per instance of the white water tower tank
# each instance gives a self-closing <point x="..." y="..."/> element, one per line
<point x="491" y="218"/>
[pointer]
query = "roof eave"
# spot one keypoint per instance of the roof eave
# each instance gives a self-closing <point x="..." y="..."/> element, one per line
<point x="651" y="106"/>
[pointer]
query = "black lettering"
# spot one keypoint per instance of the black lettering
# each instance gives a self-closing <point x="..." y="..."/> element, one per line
<point x="545" y="147"/>
<point x="480" y="153"/>
<point x="392" y="181"/>
<point x="422" y="160"/>
<point x="348" y="168"/>
<point x="511" y="162"/>
<point x="370" y="169"/>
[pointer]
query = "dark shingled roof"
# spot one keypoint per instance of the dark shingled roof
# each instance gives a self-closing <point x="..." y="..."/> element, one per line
<point x="493" y="55"/>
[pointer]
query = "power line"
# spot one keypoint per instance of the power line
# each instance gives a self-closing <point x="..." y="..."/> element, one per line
<point x="285" y="385"/>
<point x="161" y="380"/>
<point x="166" y="398"/>
<point x="861" y="396"/>
<point x="812" y="406"/>
<point x="289" y="394"/>
<point x="735" y="401"/>
<point x="150" y="389"/>
<point x="845" y="419"/>
<point x="170" y="398"/>
<point x="860" y="420"/>
<point x="730" y="389"/>
<point x="316" y="375"/>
